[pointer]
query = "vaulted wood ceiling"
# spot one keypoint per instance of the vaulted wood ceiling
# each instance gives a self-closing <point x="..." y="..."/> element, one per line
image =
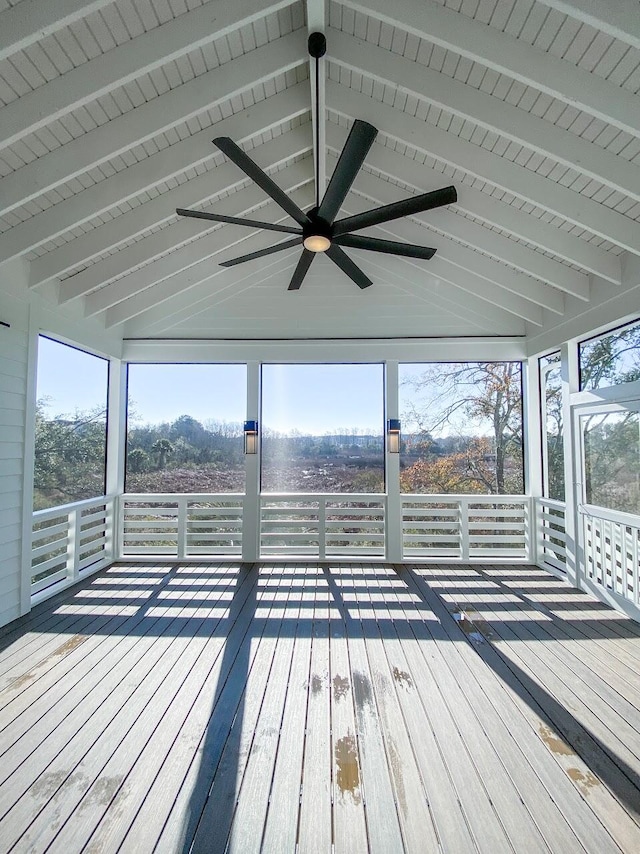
<point x="529" y="108"/>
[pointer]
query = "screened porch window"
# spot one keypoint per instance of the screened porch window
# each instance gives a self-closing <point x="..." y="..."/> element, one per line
<point x="70" y="425"/>
<point x="184" y="428"/>
<point x="322" y="428"/>
<point x="462" y="428"/>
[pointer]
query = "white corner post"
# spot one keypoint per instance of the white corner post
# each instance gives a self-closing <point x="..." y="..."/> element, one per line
<point x="532" y="449"/>
<point x="116" y="449"/>
<point x="393" y="520"/>
<point x="572" y="486"/>
<point x="28" y="461"/>
<point x="251" y="504"/>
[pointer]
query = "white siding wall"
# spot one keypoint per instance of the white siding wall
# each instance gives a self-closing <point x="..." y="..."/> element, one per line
<point x="13" y="404"/>
<point x="27" y="313"/>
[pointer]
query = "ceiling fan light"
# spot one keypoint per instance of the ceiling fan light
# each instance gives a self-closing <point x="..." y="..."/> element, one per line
<point x="316" y="243"/>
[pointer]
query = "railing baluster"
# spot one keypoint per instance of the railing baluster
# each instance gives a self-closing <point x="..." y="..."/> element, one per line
<point x="463" y="511"/>
<point x="182" y="528"/>
<point x="322" y="527"/>
<point x="74" y="544"/>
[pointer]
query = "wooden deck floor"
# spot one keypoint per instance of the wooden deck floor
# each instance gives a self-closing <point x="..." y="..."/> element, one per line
<point x="283" y="708"/>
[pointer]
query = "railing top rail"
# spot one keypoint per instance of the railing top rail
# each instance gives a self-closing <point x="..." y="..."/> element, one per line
<point x="466" y="496"/>
<point x="61" y="509"/>
<point x="331" y="496"/>
<point x="551" y="502"/>
<point x="610" y="515"/>
<point x="182" y="496"/>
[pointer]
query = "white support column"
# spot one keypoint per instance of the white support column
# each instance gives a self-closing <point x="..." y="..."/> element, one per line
<point x="532" y="447"/>
<point x="251" y="504"/>
<point x="393" y="520"/>
<point x="572" y="489"/>
<point x="116" y="448"/>
<point x="29" y="455"/>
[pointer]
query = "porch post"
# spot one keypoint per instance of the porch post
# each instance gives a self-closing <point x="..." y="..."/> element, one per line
<point x="27" y="471"/>
<point x="532" y="448"/>
<point x="251" y="503"/>
<point x="571" y="446"/>
<point x="393" y="520"/>
<point x="116" y="447"/>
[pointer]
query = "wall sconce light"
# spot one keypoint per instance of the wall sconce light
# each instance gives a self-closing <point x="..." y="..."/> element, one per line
<point x="393" y="435"/>
<point x="251" y="437"/>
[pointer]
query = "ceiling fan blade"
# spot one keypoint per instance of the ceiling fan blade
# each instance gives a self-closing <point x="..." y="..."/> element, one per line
<point x="407" y="207"/>
<point x="244" y="162"/>
<point x="234" y="220"/>
<point x="278" y="247"/>
<point x="301" y="270"/>
<point x="355" y="150"/>
<point x="390" y="247"/>
<point x="342" y="260"/>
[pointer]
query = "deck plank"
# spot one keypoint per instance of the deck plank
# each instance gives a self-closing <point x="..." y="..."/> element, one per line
<point x="281" y="825"/>
<point x="315" y="820"/>
<point x="596" y="817"/>
<point x="383" y="824"/>
<point x="245" y="836"/>
<point x="416" y="821"/>
<point x="217" y="815"/>
<point x="349" y="822"/>
<point x="173" y="781"/>
<point x="319" y="707"/>
<point x="76" y="774"/>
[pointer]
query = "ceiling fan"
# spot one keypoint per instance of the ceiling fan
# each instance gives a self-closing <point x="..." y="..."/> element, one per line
<point x="318" y="230"/>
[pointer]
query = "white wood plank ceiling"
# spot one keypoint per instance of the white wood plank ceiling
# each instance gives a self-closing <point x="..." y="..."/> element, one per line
<point x="530" y="108"/>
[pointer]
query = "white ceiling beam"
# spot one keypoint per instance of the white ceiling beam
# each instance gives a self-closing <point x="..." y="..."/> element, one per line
<point x="154" y="212"/>
<point x="173" y="284"/>
<point x="317" y="78"/>
<point x="497" y="213"/>
<point x="452" y="299"/>
<point x="497" y="170"/>
<point x="149" y="119"/>
<point x="185" y="307"/>
<point x="472" y="234"/>
<point x="31" y="20"/>
<point x="200" y="273"/>
<point x="487" y="112"/>
<point x="124" y="63"/>
<point x="617" y="18"/>
<point x="187" y="304"/>
<point x="467" y="280"/>
<point x="508" y="55"/>
<point x="204" y="249"/>
<point x="171" y="238"/>
<point x="381" y="192"/>
<point x="162" y="166"/>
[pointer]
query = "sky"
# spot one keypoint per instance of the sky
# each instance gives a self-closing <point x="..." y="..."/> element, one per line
<point x="312" y="399"/>
<point x="70" y="379"/>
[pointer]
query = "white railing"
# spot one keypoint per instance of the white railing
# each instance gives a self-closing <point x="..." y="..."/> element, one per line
<point x="180" y="525"/>
<point x="466" y="527"/>
<point x="550" y="530"/>
<point x="611" y="549"/>
<point x="322" y="525"/>
<point x="68" y="542"/>
<point x="326" y="525"/>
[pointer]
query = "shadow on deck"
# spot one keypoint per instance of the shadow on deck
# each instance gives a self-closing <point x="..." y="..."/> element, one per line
<point x="370" y="707"/>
